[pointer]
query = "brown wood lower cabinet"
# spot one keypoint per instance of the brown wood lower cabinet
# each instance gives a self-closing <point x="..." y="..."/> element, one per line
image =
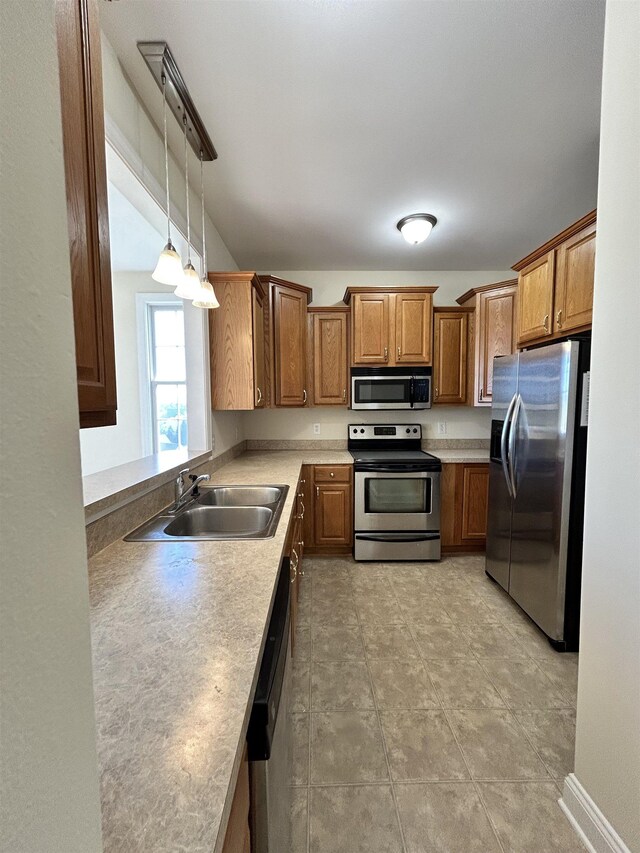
<point x="464" y="500"/>
<point x="238" y="836"/>
<point x="328" y="517"/>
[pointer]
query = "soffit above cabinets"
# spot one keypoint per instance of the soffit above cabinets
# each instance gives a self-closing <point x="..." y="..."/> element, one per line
<point x="334" y="120"/>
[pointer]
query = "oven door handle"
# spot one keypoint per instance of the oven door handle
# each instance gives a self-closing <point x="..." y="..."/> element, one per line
<point x="397" y="537"/>
<point x="375" y="467"/>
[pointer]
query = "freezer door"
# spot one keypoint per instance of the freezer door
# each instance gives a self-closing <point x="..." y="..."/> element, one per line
<point x="505" y="382"/>
<point x="541" y="464"/>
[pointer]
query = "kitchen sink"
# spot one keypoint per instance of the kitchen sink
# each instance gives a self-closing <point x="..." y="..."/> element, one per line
<point x="237" y="496"/>
<point x="218" y="512"/>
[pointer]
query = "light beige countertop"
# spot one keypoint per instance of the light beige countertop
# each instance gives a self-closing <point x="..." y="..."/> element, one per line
<point x="469" y="455"/>
<point x="177" y="636"/>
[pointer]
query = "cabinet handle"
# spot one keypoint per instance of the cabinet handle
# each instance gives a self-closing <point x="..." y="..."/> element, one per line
<point x="317" y="491"/>
<point x="436" y="391"/>
<point x="386" y="354"/>
<point x="481" y="394"/>
<point x="559" y="319"/>
<point x="304" y="396"/>
<point x="294" y="566"/>
<point x="344" y="394"/>
<point x="398" y="352"/>
<point x="331" y="474"/>
<point x="302" y="510"/>
<point x="259" y="397"/>
<point x="300" y="572"/>
<point x="302" y="482"/>
<point x="546" y="322"/>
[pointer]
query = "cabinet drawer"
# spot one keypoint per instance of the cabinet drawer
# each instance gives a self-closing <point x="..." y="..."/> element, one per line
<point x="332" y="473"/>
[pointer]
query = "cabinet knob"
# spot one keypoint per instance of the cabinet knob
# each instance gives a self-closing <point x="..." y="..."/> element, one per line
<point x="331" y="474"/>
<point x="559" y="319"/>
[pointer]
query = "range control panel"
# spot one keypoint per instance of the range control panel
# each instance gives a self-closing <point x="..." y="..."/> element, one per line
<point x="379" y="432"/>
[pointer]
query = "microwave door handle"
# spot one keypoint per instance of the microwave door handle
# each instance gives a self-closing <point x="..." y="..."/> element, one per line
<point x="411" y="392"/>
<point x="503" y="446"/>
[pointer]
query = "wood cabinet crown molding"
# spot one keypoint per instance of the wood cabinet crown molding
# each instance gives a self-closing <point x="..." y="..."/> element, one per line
<point x="269" y="279"/>
<point x="589" y="219"/>
<point x="239" y="275"/>
<point x="484" y="288"/>
<point x="329" y="309"/>
<point x="383" y="289"/>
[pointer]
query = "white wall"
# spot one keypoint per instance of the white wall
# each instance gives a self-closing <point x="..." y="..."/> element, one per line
<point x="328" y="289"/>
<point x="49" y="794"/>
<point x="608" y="725"/>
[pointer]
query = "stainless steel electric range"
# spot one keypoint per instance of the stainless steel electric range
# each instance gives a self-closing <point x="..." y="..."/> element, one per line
<point x="397" y="493"/>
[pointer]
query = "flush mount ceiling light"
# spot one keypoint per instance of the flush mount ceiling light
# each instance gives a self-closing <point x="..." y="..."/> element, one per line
<point x="417" y="227"/>
<point x="206" y="298"/>
<point x="189" y="287"/>
<point x="169" y="267"/>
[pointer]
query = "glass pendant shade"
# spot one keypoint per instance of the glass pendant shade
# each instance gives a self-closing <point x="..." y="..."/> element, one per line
<point x="417" y="227"/>
<point x="206" y="298"/>
<point x="169" y="267"/>
<point x="189" y="287"/>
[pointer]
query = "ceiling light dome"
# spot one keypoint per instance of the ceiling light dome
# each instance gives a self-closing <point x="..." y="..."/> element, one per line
<point x="417" y="227"/>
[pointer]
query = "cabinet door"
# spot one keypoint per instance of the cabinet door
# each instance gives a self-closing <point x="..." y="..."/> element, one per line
<point x="497" y="335"/>
<point x="535" y="299"/>
<point x="330" y="359"/>
<point x="237" y="835"/>
<point x="413" y="313"/>
<point x="80" y="69"/>
<point x="370" y="326"/>
<point x="475" y="490"/>
<point x="575" y="265"/>
<point x="259" y="386"/>
<point x="449" y="534"/>
<point x="306" y="484"/>
<point x="450" y="368"/>
<point x="333" y="514"/>
<point x="230" y="347"/>
<point x="289" y="346"/>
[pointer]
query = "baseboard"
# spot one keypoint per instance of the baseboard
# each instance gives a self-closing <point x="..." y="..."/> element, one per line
<point x="591" y="825"/>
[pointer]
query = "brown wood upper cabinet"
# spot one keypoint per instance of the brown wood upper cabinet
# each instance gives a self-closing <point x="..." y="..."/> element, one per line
<point x="80" y="67"/>
<point x="392" y="326"/>
<point x="494" y="333"/>
<point x="237" y="342"/>
<point x="555" y="284"/>
<point x="328" y="335"/>
<point x="450" y="335"/>
<point x="288" y="307"/>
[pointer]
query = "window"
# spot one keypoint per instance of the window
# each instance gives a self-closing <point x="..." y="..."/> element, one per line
<point x="167" y="376"/>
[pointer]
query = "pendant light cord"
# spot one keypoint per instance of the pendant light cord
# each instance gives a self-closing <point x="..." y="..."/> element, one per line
<point x="204" y="239"/>
<point x="166" y="155"/>
<point x="186" y="184"/>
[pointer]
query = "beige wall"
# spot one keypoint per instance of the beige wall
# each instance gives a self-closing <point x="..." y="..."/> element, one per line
<point x="328" y="289"/>
<point x="49" y="794"/>
<point x="608" y="729"/>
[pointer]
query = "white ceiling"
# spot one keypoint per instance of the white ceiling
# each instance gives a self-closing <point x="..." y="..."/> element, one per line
<point x="334" y="118"/>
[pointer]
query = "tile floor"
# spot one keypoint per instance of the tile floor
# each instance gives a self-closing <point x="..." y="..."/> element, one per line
<point x="429" y="714"/>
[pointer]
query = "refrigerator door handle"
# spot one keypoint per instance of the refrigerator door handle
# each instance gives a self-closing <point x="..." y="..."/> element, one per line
<point x="503" y="445"/>
<point x="512" y="445"/>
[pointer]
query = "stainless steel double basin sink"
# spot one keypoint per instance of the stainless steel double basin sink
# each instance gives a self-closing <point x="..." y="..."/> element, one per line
<point x="218" y="512"/>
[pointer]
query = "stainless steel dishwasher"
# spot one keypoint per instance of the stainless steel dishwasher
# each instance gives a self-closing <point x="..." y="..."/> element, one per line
<point x="269" y="732"/>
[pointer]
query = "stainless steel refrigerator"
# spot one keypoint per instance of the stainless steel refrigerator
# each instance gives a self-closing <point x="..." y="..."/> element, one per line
<point x="536" y="484"/>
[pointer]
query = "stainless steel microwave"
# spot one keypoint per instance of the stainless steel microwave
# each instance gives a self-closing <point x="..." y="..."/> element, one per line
<point x="390" y="388"/>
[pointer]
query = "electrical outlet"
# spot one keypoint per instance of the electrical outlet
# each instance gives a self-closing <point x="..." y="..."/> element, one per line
<point x="442" y="427"/>
<point x="316" y="429"/>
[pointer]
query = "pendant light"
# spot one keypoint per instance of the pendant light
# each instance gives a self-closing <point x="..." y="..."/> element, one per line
<point x="169" y="267"/>
<point x="417" y="227"/>
<point x="206" y="298"/>
<point x="189" y="287"/>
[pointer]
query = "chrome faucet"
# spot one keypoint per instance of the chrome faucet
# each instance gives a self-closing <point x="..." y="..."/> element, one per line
<point x="180" y="493"/>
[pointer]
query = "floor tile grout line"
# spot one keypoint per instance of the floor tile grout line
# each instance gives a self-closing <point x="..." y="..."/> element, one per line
<point x="475" y="785"/>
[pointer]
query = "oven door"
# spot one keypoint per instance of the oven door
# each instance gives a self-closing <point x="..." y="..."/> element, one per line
<point x="397" y="500"/>
<point x="381" y="392"/>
